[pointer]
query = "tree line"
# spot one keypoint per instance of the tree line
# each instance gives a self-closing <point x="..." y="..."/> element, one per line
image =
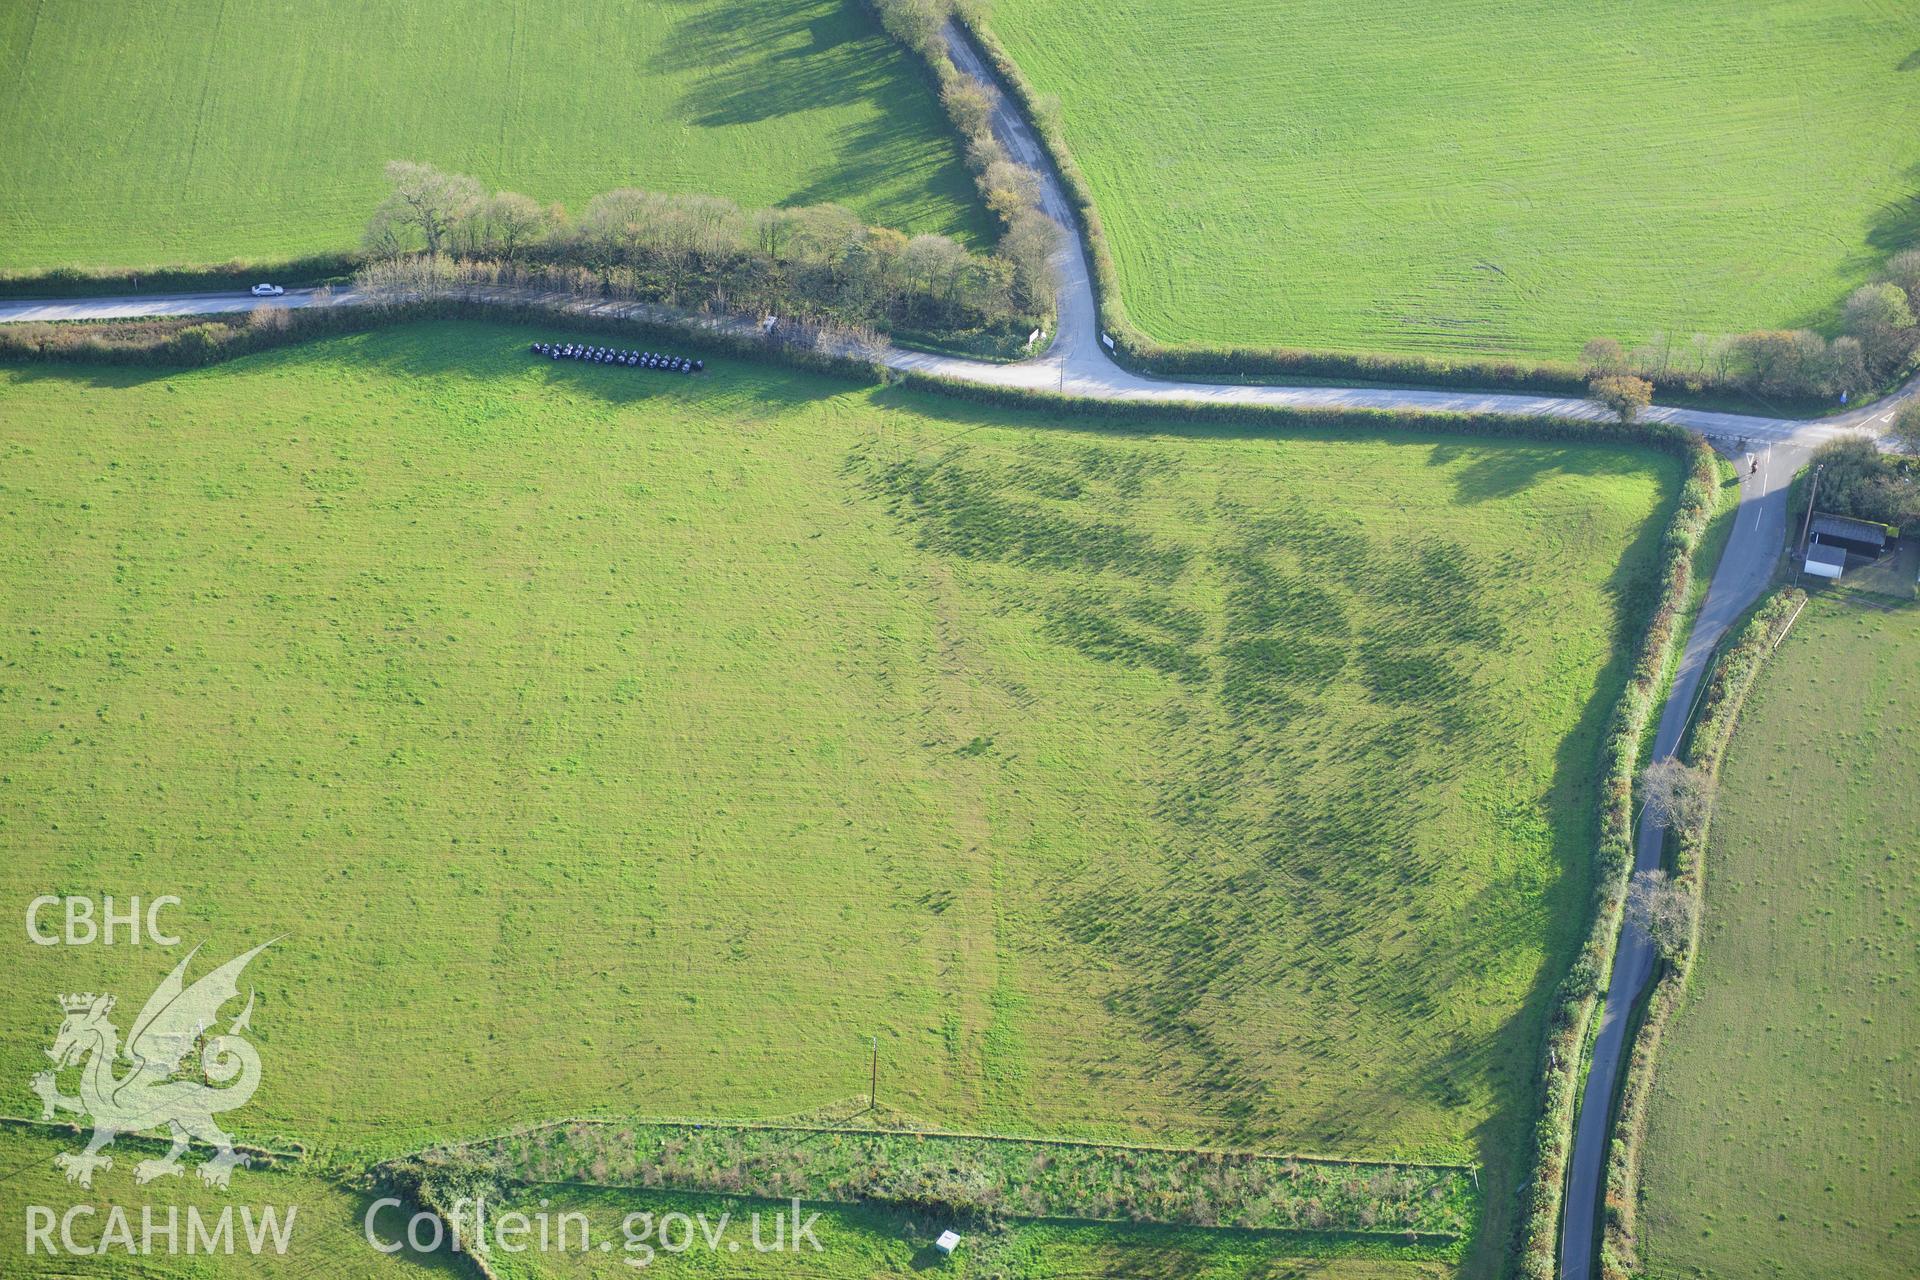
<point x="703" y="252"/>
<point x="1011" y="190"/>
<point x="1878" y="337"/>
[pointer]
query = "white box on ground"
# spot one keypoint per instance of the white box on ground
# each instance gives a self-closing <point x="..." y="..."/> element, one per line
<point x="948" y="1241"/>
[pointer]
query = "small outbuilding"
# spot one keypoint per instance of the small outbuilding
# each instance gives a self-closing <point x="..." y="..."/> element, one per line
<point x="1825" y="561"/>
<point x="1861" y="537"/>
<point x="948" y="1242"/>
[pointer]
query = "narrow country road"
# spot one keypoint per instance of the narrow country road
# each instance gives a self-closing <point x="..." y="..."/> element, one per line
<point x="1077" y="364"/>
<point x="1746" y="568"/>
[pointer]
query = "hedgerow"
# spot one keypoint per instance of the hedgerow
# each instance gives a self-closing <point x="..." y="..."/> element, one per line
<point x="1732" y="679"/>
<point x="192" y="341"/>
<point x="233" y="275"/>
<point x="1577" y="996"/>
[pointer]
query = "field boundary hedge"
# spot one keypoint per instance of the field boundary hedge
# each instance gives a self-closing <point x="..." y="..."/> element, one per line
<point x="198" y="341"/>
<point x="235" y="274"/>
<point x="1665" y="436"/>
<point x="910" y="1130"/>
<point x="1733" y="679"/>
<point x="265" y="1156"/>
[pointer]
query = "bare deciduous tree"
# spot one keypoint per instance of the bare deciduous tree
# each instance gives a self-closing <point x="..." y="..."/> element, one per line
<point x="514" y="222"/>
<point x="430" y="201"/>
<point x="1028" y="245"/>
<point x="932" y="261"/>
<point x="1879" y="316"/>
<point x="1679" y="795"/>
<point x="1603" y="355"/>
<point x="386" y="237"/>
<point x="1903" y="269"/>
<point x="772" y="229"/>
<point x="969" y="105"/>
<point x="827" y="233"/>
<point x="1663" y="909"/>
<point x="915" y="23"/>
<point x="1010" y="188"/>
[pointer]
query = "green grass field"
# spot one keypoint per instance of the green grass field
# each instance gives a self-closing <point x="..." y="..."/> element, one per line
<point x="328" y="1239"/>
<point x="1485" y="177"/>
<point x="1783" y="1135"/>
<point x="166" y="132"/>
<point x="870" y="1240"/>
<point x="325" y="1236"/>
<point x="606" y="743"/>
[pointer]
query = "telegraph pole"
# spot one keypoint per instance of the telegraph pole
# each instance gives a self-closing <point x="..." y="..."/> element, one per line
<point x="1813" y="500"/>
<point x="873" y="1083"/>
<point x="1813" y="497"/>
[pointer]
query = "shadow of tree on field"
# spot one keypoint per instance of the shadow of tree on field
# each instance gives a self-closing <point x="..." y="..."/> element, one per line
<point x="1488" y="474"/>
<point x="1896" y="224"/>
<point x="775" y="58"/>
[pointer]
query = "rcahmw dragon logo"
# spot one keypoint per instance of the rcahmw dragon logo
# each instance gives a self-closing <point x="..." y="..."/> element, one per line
<point x="160" y="1088"/>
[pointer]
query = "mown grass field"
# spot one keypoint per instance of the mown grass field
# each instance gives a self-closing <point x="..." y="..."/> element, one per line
<point x="609" y="743"/>
<point x="164" y="132"/>
<point x="1783" y="1133"/>
<point x="1484" y="177"/>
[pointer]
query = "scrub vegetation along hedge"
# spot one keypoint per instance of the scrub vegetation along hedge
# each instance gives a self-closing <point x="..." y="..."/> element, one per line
<point x="709" y="254"/>
<point x="224" y="277"/>
<point x="989" y="1177"/>
<point x="1733" y="677"/>
<point x="191" y="342"/>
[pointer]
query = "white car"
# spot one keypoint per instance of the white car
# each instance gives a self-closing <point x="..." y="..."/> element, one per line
<point x="267" y="291"/>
